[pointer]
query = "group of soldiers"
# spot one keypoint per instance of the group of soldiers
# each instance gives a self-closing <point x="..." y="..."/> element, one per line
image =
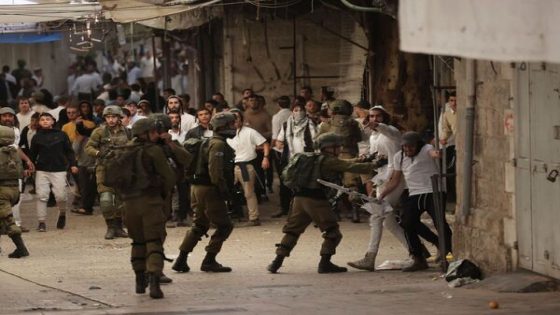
<point x="145" y="210"/>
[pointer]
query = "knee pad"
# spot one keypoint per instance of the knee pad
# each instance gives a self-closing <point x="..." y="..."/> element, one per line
<point x="106" y="200"/>
<point x="332" y="233"/>
<point x="224" y="231"/>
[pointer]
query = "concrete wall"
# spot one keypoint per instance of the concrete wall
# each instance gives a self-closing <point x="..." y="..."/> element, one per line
<point x="488" y="236"/>
<point x="248" y="63"/>
<point x="52" y="57"/>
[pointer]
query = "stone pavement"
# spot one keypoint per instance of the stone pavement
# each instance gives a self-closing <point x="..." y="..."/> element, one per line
<point x="76" y="271"/>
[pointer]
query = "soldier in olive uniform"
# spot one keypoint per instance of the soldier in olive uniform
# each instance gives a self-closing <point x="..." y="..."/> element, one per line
<point x="11" y="172"/>
<point x="110" y="133"/>
<point x="342" y="123"/>
<point x="145" y="219"/>
<point x="209" y="192"/>
<point x="310" y="204"/>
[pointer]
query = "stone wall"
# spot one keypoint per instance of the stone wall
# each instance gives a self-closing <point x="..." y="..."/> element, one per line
<point x="486" y="238"/>
<point x="258" y="55"/>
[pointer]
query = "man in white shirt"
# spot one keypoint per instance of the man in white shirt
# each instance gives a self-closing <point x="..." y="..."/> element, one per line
<point x="384" y="142"/>
<point x="133" y="74"/>
<point x="147" y="66"/>
<point x="177" y="134"/>
<point x="86" y="84"/>
<point x="175" y="104"/>
<point x="180" y="81"/>
<point x="25" y="112"/>
<point x="70" y="79"/>
<point x="245" y="144"/>
<point x="415" y="163"/>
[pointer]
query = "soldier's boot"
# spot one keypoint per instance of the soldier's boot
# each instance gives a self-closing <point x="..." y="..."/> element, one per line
<point x="163" y="279"/>
<point x="418" y="263"/>
<point x="366" y="263"/>
<point x="326" y="266"/>
<point x="141" y="282"/>
<point x="61" y="222"/>
<point x="180" y="264"/>
<point x="275" y="264"/>
<point x="110" y="234"/>
<point x="209" y="264"/>
<point x="118" y="228"/>
<point x="155" y="290"/>
<point x="21" y="250"/>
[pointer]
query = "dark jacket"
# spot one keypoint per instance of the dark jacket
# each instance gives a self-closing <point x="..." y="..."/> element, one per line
<point x="196" y="132"/>
<point x="51" y="151"/>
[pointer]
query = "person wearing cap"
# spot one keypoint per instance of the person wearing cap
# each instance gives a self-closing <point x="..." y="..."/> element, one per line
<point x="209" y="192"/>
<point x="145" y="218"/>
<point x="310" y="204"/>
<point x="384" y="143"/>
<point x="53" y="156"/>
<point x="112" y="132"/>
<point x="415" y="164"/>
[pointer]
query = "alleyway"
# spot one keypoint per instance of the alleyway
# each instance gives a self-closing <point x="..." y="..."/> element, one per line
<point x="76" y="271"/>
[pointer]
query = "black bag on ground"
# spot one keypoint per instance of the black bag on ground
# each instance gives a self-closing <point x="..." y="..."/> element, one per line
<point x="462" y="268"/>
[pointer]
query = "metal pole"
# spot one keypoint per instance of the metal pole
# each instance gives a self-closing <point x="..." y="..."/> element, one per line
<point x="469" y="139"/>
<point x="155" y="70"/>
<point x="294" y="59"/>
<point x="440" y="219"/>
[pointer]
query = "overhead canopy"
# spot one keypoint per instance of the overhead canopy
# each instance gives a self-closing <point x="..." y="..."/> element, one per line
<point x="508" y="30"/>
<point x="45" y="12"/>
<point x="182" y="16"/>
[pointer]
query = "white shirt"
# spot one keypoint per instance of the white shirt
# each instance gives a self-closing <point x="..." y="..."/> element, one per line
<point x="70" y="83"/>
<point x="385" y="140"/>
<point x="180" y="84"/>
<point x="40" y="108"/>
<point x="178" y="136"/>
<point x="24" y="119"/>
<point x="278" y="120"/>
<point x="147" y="67"/>
<point x="135" y="118"/>
<point x="245" y="143"/>
<point x="187" y="121"/>
<point x="87" y="83"/>
<point x="417" y="170"/>
<point x="16" y="138"/>
<point x="56" y="112"/>
<point x="10" y="78"/>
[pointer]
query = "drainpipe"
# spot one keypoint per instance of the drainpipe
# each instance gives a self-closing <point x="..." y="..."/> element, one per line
<point x="469" y="135"/>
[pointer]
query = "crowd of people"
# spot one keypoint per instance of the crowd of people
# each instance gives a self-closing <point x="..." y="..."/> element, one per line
<point x="207" y="164"/>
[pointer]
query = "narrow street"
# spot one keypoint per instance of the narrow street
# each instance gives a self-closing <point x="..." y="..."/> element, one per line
<point x="76" y="271"/>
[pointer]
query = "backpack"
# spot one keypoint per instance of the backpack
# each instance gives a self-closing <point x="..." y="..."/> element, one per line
<point x="11" y="167"/>
<point x="302" y="171"/>
<point x="124" y="168"/>
<point x="197" y="169"/>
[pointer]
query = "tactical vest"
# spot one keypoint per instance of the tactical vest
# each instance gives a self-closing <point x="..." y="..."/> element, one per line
<point x="11" y="167"/>
<point x="119" y="138"/>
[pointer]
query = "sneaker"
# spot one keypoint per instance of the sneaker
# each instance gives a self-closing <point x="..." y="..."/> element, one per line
<point x="42" y="227"/>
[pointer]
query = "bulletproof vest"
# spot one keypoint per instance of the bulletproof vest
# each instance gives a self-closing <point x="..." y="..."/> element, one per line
<point x="121" y="137"/>
<point x="11" y="167"/>
<point x="348" y="128"/>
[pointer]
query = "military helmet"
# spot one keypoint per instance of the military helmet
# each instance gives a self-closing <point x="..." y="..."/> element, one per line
<point x="7" y="136"/>
<point x="112" y="110"/>
<point x="221" y="120"/>
<point x="411" y="138"/>
<point x="341" y="107"/>
<point x="329" y="139"/>
<point x="161" y="121"/>
<point x="142" y="126"/>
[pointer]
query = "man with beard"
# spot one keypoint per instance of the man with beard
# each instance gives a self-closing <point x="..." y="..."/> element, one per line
<point x="106" y="135"/>
<point x="175" y="104"/>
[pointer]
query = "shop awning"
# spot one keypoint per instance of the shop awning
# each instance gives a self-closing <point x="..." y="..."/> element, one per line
<point x="506" y="30"/>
